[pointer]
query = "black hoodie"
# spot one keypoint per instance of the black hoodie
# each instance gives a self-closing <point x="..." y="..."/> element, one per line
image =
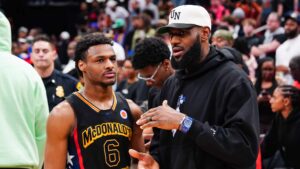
<point x="222" y="102"/>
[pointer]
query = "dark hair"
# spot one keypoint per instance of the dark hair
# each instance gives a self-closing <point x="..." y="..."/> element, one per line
<point x="293" y="93"/>
<point x="42" y="37"/>
<point x="150" y="51"/>
<point x="258" y="73"/>
<point x="295" y="68"/>
<point x="295" y="63"/>
<point x="85" y="43"/>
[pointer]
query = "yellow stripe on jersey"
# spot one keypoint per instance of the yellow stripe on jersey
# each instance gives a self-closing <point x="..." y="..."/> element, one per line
<point x="87" y="102"/>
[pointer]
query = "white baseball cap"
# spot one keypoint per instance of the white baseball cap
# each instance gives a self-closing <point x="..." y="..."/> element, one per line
<point x="186" y="16"/>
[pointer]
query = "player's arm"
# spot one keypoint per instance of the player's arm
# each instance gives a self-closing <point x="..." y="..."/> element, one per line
<point x="59" y="126"/>
<point x="137" y="141"/>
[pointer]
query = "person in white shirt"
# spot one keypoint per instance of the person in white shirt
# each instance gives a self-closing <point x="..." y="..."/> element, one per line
<point x="288" y="49"/>
<point x="114" y="11"/>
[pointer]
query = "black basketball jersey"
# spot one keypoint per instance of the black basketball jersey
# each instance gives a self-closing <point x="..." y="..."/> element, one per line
<point x="100" y="138"/>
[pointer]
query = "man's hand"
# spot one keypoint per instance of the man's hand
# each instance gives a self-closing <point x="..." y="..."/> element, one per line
<point x="163" y="117"/>
<point x="146" y="161"/>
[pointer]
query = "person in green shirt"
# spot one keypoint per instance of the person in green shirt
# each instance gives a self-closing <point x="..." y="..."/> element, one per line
<point x="23" y="108"/>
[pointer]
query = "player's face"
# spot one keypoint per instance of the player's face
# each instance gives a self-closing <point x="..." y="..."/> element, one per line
<point x="43" y="55"/>
<point x="100" y="66"/>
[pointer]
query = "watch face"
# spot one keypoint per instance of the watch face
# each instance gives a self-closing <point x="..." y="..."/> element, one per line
<point x="187" y="122"/>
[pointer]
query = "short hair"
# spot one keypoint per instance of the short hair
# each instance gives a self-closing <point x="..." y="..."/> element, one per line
<point x="42" y="37"/>
<point x="295" y="63"/>
<point x="150" y="51"/>
<point x="278" y="18"/>
<point x="293" y="93"/>
<point x="249" y="21"/>
<point x="85" y="43"/>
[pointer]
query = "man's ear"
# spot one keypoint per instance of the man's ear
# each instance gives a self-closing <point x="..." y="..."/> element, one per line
<point x="81" y="65"/>
<point x="205" y="34"/>
<point x="166" y="64"/>
<point x="287" y="101"/>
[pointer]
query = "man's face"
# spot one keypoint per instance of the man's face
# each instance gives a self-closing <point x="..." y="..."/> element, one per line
<point x="100" y="66"/>
<point x="71" y="49"/>
<point x="220" y="42"/>
<point x="248" y="29"/>
<point x="268" y="70"/>
<point x="43" y="55"/>
<point x="291" y="28"/>
<point x="272" y="23"/>
<point x="154" y="71"/>
<point x="128" y="70"/>
<point x="182" y="40"/>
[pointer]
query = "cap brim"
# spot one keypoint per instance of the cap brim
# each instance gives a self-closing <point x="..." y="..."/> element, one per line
<point x="292" y="18"/>
<point x="165" y="29"/>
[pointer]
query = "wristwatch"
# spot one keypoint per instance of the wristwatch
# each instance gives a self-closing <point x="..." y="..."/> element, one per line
<point x="186" y="124"/>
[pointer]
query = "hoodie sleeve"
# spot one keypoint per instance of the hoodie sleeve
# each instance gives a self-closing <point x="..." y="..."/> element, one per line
<point x="41" y="115"/>
<point x="236" y="141"/>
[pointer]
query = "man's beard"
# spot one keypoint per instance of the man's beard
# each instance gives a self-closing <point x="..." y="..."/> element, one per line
<point x="191" y="57"/>
<point x="292" y="34"/>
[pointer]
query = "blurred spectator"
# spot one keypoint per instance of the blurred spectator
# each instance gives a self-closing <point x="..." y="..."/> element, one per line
<point x="62" y="45"/>
<point x="22" y="32"/>
<point x="222" y="38"/>
<point x="82" y="18"/>
<point x="119" y="30"/>
<point x="69" y="68"/>
<point x="265" y="86"/>
<point x="35" y="31"/>
<point x="164" y="7"/>
<point x="114" y="11"/>
<point x="154" y="9"/>
<point x="25" y="50"/>
<point x="141" y="29"/>
<point x="238" y="15"/>
<point x="135" y="7"/>
<point x="251" y="8"/>
<point x="132" y="87"/>
<point x="287" y="50"/>
<point x="219" y="10"/>
<point x="249" y="26"/>
<point x="241" y="44"/>
<point x="273" y="27"/>
<point x="285" y="7"/>
<point x="104" y="23"/>
<point x="57" y="84"/>
<point x="295" y="70"/>
<point x="273" y="37"/>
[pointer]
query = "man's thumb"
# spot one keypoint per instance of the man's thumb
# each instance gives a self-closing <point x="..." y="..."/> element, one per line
<point x="135" y="154"/>
<point x="165" y="103"/>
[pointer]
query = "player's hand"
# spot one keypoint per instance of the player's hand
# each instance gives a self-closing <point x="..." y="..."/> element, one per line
<point x="146" y="161"/>
<point x="163" y="117"/>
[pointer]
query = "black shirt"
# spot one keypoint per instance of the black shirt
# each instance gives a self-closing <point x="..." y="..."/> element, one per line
<point x="284" y="136"/>
<point x="222" y="102"/>
<point x="137" y="91"/>
<point x="58" y="86"/>
<point x="101" y="138"/>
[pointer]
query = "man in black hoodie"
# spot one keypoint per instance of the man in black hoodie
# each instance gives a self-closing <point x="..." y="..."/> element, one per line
<point x="209" y="117"/>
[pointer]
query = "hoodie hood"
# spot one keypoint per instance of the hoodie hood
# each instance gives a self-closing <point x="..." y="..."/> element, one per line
<point x="5" y="34"/>
<point x="213" y="59"/>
